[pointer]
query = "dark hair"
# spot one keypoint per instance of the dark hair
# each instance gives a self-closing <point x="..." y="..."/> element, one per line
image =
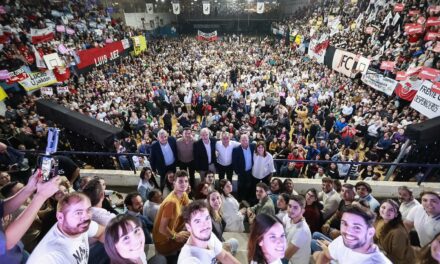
<point x="348" y="186"/>
<point x="365" y="184"/>
<point x="327" y="180"/>
<point x="405" y="188"/>
<point x="263" y="186"/>
<point x="216" y="216"/>
<point x="280" y="184"/>
<point x="395" y="221"/>
<point x="368" y="215"/>
<point x="152" y="193"/>
<point x="337" y="185"/>
<point x="199" y="188"/>
<point x="128" y="199"/>
<point x="193" y="207"/>
<point x="6" y="190"/>
<point x="180" y="173"/>
<point x="285" y="196"/>
<point x="168" y="184"/>
<point x="263" y="222"/>
<point x="120" y="222"/>
<point x="152" y="179"/>
<point x="431" y="193"/>
<point x="94" y="191"/>
<point x="221" y="185"/>
<point x="299" y="199"/>
<point x="260" y="143"/>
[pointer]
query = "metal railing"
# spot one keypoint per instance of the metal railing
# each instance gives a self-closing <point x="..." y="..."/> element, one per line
<point x="428" y="168"/>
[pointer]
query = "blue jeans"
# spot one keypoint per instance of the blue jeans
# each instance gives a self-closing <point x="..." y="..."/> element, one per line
<point x="318" y="236"/>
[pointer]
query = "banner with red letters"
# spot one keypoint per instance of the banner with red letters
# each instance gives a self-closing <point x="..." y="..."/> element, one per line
<point x="433" y="21"/>
<point x="399" y="7"/>
<point x="387" y="65"/>
<point x="429" y="74"/>
<point x="414" y="28"/>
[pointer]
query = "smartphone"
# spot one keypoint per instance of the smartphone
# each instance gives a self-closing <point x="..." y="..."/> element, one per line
<point x="49" y="168"/>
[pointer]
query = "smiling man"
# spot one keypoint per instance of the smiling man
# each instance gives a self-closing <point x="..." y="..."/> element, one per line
<point x="355" y="245"/>
<point x="202" y="246"/>
<point x="67" y="241"/>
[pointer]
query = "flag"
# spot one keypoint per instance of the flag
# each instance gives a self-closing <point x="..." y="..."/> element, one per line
<point x="41" y="35"/>
<point x="395" y="19"/>
<point x="149" y="8"/>
<point x="387" y="18"/>
<point x="359" y="20"/>
<point x="38" y="60"/>
<point x="176" y="8"/>
<point x="260" y="7"/>
<point x="407" y="89"/>
<point x="3" y="94"/>
<point x="206" y="8"/>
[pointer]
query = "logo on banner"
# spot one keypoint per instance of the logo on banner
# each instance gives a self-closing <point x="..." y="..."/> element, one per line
<point x="206" y="8"/>
<point x="149" y="8"/>
<point x="427" y="101"/>
<point x="343" y="62"/>
<point x="176" y="8"/>
<point x="260" y="7"/>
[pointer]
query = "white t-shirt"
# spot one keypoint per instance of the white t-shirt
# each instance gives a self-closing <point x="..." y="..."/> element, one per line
<point x="196" y="255"/>
<point x="406" y="207"/>
<point x="57" y="248"/>
<point x="343" y="255"/>
<point x="427" y="227"/>
<point x="300" y="236"/>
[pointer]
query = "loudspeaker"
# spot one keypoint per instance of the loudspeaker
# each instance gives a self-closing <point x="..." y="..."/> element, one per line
<point x="426" y="132"/>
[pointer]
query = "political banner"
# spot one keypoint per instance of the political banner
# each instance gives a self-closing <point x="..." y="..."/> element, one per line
<point x="314" y="52"/>
<point x="41" y="35"/>
<point x="62" y="89"/>
<point x="97" y="57"/>
<point x="37" y="80"/>
<point x="414" y="28"/>
<point x="176" y="8"/>
<point x="413" y="12"/>
<point x="139" y="45"/>
<point x="206" y="8"/>
<point x="387" y="65"/>
<point x="53" y="60"/>
<point x="427" y="101"/>
<point x="260" y="7"/>
<point x="149" y="8"/>
<point x="408" y="88"/>
<point x="434" y="9"/>
<point x="207" y="36"/>
<point x="362" y="65"/>
<point x="431" y="36"/>
<point x="344" y="62"/>
<point x="47" y="91"/>
<point x="429" y="74"/>
<point x="379" y="82"/>
<point x="433" y="21"/>
<point x="19" y="74"/>
<point x="398" y="7"/>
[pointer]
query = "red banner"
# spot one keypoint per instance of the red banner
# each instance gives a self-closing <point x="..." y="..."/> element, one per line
<point x="17" y="76"/>
<point x="431" y="36"/>
<point x="421" y="20"/>
<point x="413" y="28"/>
<point x="434" y="9"/>
<point x="401" y="75"/>
<point x="96" y="57"/>
<point x="399" y="7"/>
<point x="435" y="87"/>
<point x="428" y="74"/>
<point x="413" y="12"/>
<point x="387" y="65"/>
<point x="433" y="21"/>
<point x="406" y="90"/>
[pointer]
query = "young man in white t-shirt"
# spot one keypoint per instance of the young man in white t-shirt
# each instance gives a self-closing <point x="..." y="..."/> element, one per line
<point x="355" y="244"/>
<point x="202" y="247"/>
<point x="425" y="218"/>
<point x="67" y="240"/>
<point x="299" y="236"/>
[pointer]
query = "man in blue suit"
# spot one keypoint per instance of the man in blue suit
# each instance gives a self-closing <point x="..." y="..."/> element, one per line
<point x="242" y="162"/>
<point x="163" y="156"/>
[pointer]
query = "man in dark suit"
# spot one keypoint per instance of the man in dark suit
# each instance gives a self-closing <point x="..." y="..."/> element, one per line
<point x="242" y="162"/>
<point x="163" y="155"/>
<point x="204" y="153"/>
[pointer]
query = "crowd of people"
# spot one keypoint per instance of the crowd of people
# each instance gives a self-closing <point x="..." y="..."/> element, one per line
<point x="225" y="108"/>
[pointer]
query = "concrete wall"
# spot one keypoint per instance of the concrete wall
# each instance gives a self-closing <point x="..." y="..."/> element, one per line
<point x="380" y="188"/>
<point x="135" y="20"/>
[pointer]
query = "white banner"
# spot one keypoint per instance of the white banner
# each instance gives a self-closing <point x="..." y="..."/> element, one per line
<point x="313" y="55"/>
<point x="149" y="8"/>
<point x="176" y="8"/>
<point x="362" y="65"/>
<point x="53" y="60"/>
<point x="426" y="101"/>
<point x="47" y="91"/>
<point x="343" y="62"/>
<point x="62" y="89"/>
<point x="395" y="19"/>
<point x="260" y="7"/>
<point x="206" y="8"/>
<point x="379" y="82"/>
<point x="38" y="79"/>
